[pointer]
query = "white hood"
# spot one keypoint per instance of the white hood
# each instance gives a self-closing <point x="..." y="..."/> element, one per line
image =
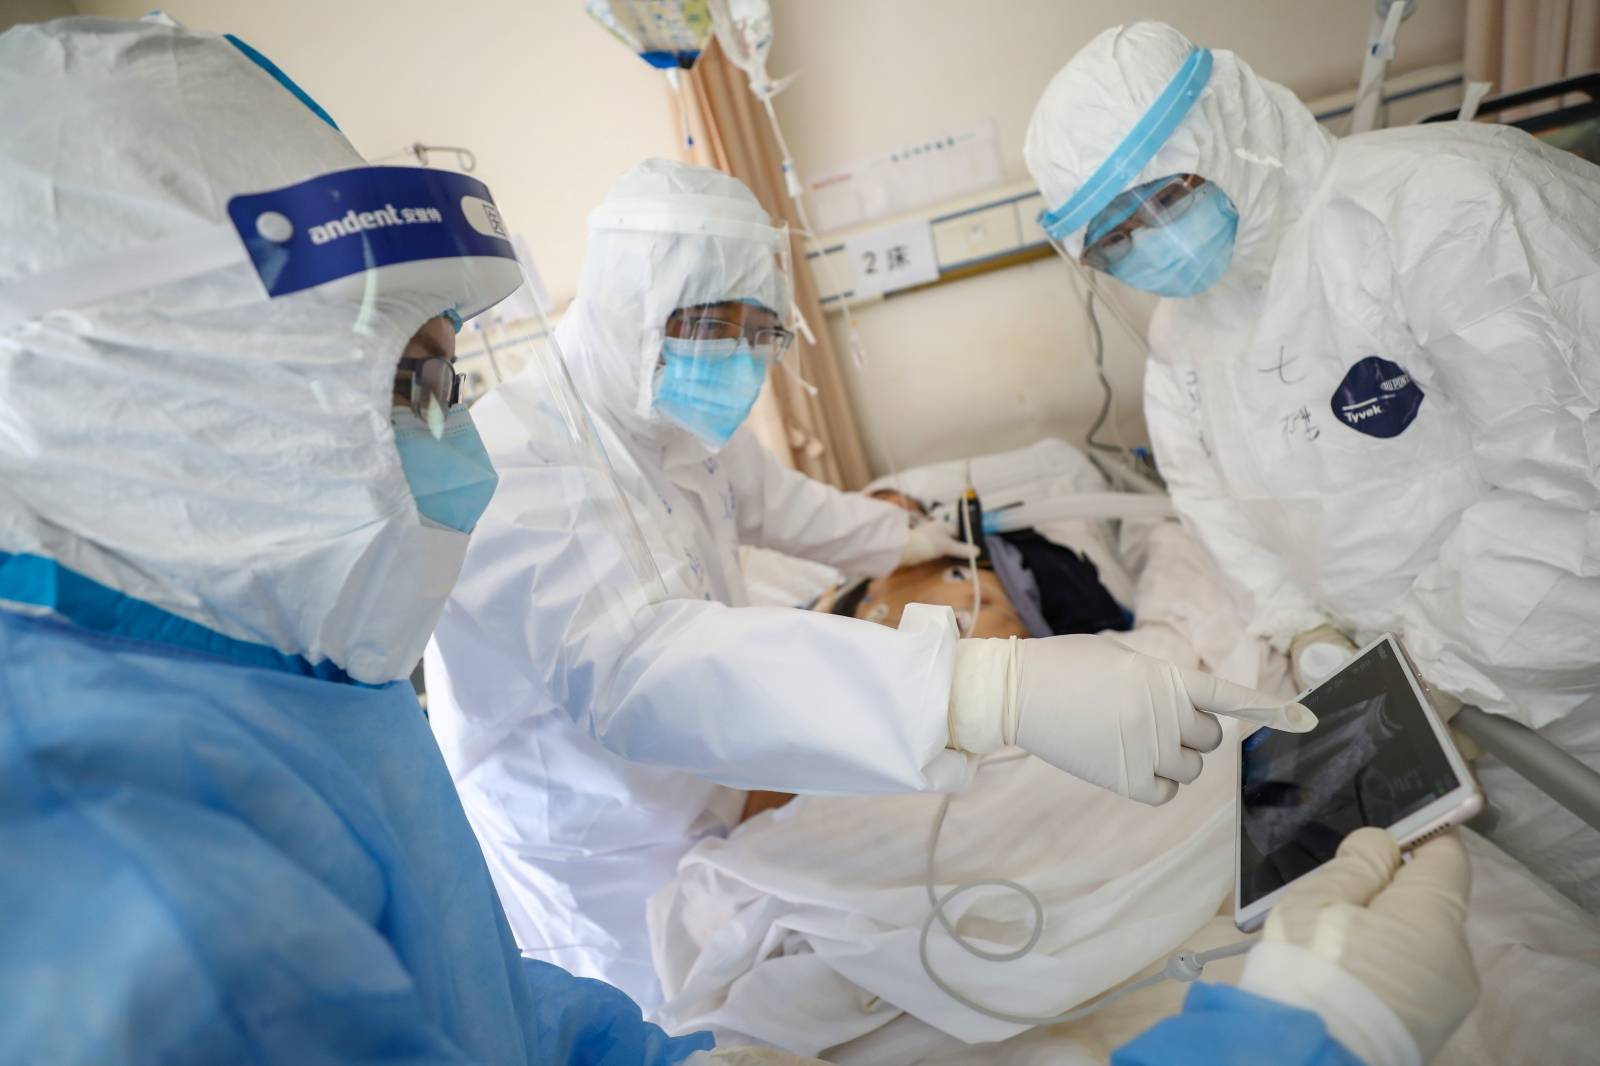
<point x="1250" y="136"/>
<point x="193" y="445"/>
<point x="668" y="235"/>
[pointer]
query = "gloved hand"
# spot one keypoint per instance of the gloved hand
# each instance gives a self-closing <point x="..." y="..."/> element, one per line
<point x="1377" y="948"/>
<point x="1086" y="704"/>
<point x="929" y="539"/>
<point x="1316" y="654"/>
<point x="749" y="1056"/>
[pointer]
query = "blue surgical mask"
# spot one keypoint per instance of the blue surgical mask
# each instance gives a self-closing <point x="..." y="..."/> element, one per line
<point x="708" y="387"/>
<point x="1185" y="256"/>
<point x="451" y="477"/>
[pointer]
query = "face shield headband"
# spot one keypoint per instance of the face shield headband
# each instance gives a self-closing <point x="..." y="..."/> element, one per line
<point x="1125" y="162"/>
<point x="335" y="230"/>
<point x="687" y="215"/>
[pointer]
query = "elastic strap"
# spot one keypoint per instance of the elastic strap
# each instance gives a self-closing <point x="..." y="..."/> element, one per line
<point x="1137" y="148"/>
<point x="689" y="213"/>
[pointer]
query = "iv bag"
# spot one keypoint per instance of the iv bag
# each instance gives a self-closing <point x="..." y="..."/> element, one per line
<point x="667" y="34"/>
<point x="744" y="27"/>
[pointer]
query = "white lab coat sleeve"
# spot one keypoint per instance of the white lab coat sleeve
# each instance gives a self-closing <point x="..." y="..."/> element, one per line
<point x="787" y="511"/>
<point x="750" y="697"/>
<point x="1277" y="606"/>
<point x="1501" y="289"/>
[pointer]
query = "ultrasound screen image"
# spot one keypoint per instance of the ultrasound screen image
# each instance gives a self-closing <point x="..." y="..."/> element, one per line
<point x="1373" y="759"/>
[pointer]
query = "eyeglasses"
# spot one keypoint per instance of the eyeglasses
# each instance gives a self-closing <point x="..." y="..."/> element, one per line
<point x="694" y="326"/>
<point x="434" y="378"/>
<point x="1156" y="203"/>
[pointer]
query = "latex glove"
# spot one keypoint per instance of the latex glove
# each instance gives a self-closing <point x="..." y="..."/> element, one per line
<point x="929" y="539"/>
<point x="749" y="1056"/>
<point x="1111" y="716"/>
<point x="1377" y="947"/>
<point x="1317" y="654"/>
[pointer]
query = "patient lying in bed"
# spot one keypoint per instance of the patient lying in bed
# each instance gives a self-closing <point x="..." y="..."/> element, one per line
<point x="801" y="928"/>
<point x="1060" y="590"/>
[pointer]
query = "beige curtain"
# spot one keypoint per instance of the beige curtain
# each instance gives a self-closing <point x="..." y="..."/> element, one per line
<point x="1517" y="44"/>
<point x="814" y="434"/>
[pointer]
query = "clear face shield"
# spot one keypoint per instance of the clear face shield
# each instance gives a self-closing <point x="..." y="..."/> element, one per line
<point x="714" y="360"/>
<point x="340" y="296"/>
<point x="1163" y="204"/>
<point x="588" y="540"/>
<point x="723" y="300"/>
<point x="733" y="324"/>
<point x="1172" y="236"/>
<point x="368" y="252"/>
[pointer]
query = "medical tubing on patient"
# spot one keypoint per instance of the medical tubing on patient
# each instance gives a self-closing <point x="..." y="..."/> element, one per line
<point x="970" y="535"/>
<point x="1181" y="966"/>
<point x="1107" y="397"/>
<point x="1084" y="280"/>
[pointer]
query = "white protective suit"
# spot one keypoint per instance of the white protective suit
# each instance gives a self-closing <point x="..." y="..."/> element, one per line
<point x="217" y="848"/>
<point x="1387" y="412"/>
<point x="325" y="556"/>
<point x="538" y="708"/>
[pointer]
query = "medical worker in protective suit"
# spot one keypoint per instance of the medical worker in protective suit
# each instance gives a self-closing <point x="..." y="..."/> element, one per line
<point x="601" y="702"/>
<point x="233" y="494"/>
<point x="1374" y="383"/>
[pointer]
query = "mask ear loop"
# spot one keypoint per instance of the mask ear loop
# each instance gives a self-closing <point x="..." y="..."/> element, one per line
<point x="1085" y="280"/>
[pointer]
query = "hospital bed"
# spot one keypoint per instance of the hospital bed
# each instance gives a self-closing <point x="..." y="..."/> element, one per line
<point x="801" y="928"/>
<point x="1573" y="126"/>
<point x="1052" y="486"/>
<point x="1049" y="485"/>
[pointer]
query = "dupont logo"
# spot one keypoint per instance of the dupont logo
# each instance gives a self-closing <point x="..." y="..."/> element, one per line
<point x="1360" y="412"/>
<point x="1377" y="398"/>
<point x="354" y="221"/>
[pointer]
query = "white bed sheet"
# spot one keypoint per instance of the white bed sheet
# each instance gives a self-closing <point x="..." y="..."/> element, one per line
<point x="1537" y="953"/>
<point x="819" y="903"/>
<point x="801" y="932"/>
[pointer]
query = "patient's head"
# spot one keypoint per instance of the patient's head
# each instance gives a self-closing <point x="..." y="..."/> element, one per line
<point x="942" y="582"/>
<point x="901" y="500"/>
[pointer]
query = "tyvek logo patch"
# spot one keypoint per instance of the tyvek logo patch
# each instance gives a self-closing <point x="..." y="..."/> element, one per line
<point x="1377" y="398"/>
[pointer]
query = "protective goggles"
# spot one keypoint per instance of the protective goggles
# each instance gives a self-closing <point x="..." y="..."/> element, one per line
<point x="434" y="384"/>
<point x="366" y="235"/>
<point x="757" y="326"/>
<point x="1110" y="236"/>
<point x="1111" y="179"/>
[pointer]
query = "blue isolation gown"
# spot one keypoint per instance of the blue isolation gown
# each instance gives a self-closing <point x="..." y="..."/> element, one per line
<point x="211" y="852"/>
<point x="1223" y="1026"/>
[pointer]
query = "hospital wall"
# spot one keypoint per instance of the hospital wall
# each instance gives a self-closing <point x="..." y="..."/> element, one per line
<point x="996" y="361"/>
